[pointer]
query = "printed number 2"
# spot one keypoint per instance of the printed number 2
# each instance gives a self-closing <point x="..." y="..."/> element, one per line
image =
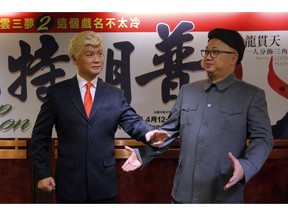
<point x="44" y="22"/>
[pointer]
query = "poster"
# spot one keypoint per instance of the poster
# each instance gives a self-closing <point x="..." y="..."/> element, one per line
<point x="149" y="56"/>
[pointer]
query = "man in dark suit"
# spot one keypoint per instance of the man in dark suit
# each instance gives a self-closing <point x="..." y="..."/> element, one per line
<point x="280" y="129"/>
<point x="86" y="166"/>
<point x="213" y="118"/>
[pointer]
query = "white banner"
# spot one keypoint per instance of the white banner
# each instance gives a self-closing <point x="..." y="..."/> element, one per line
<point x="148" y="66"/>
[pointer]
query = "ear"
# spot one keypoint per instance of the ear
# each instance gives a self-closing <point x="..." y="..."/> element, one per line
<point x="235" y="59"/>
<point x="202" y="63"/>
<point x="74" y="60"/>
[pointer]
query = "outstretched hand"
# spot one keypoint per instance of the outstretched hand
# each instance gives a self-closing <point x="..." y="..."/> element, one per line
<point x="157" y="137"/>
<point x="238" y="173"/>
<point x="132" y="163"/>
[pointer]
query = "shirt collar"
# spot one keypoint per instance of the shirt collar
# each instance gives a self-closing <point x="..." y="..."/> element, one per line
<point x="82" y="82"/>
<point x="221" y="85"/>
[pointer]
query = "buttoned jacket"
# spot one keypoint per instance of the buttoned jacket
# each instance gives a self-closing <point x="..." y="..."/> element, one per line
<point x="210" y="121"/>
<point x="86" y="166"/>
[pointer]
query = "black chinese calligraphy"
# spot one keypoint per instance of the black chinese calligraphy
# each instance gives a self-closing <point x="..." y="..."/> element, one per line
<point x="28" y="65"/>
<point x="174" y="54"/>
<point x="262" y="41"/>
<point x="118" y="71"/>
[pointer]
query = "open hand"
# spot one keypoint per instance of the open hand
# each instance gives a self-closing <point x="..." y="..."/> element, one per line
<point x="238" y="173"/>
<point x="132" y="163"/>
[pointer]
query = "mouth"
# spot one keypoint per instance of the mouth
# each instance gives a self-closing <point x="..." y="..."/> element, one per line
<point x="208" y="64"/>
<point x="96" y="67"/>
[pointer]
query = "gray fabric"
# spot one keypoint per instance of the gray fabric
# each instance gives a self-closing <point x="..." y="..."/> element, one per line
<point x="212" y="120"/>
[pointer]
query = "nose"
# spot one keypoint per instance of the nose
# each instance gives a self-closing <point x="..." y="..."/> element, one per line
<point x="96" y="58"/>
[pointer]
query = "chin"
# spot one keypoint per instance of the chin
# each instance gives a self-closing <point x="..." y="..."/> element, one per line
<point x="209" y="69"/>
<point x="96" y="72"/>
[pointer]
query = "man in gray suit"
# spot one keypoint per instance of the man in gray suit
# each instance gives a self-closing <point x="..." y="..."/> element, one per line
<point x="86" y="167"/>
<point x="213" y="118"/>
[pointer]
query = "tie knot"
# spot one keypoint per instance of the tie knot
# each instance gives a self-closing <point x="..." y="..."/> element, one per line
<point x="88" y="85"/>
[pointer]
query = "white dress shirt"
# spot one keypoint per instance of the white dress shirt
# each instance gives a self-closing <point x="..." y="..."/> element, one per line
<point x="82" y="86"/>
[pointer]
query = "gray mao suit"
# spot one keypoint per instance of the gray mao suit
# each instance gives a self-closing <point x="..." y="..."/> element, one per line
<point x="210" y="121"/>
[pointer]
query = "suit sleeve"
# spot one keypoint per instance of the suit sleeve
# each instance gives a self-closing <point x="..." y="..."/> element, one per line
<point x="261" y="139"/>
<point x="131" y="122"/>
<point x="172" y="126"/>
<point x="41" y="139"/>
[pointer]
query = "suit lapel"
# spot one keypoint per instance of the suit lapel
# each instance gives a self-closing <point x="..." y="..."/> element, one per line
<point x="74" y="92"/>
<point x="101" y="92"/>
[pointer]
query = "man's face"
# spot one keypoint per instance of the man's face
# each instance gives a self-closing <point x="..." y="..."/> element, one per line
<point x="218" y="63"/>
<point x="90" y="62"/>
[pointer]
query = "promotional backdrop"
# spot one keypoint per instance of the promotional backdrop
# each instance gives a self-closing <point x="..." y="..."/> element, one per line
<point x="149" y="56"/>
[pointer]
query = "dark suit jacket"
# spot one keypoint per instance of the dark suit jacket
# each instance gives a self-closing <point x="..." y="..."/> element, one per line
<point x="280" y="129"/>
<point x="86" y="167"/>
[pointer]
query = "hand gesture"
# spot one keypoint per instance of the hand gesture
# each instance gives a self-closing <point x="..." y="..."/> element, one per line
<point x="156" y="137"/>
<point x="132" y="163"/>
<point x="238" y="173"/>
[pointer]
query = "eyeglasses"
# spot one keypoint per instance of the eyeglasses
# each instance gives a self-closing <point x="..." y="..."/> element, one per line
<point x="214" y="53"/>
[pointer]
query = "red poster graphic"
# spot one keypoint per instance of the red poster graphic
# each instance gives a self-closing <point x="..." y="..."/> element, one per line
<point x="277" y="84"/>
<point x="137" y="22"/>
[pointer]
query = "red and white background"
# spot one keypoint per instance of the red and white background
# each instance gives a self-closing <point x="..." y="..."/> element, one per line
<point x="149" y="56"/>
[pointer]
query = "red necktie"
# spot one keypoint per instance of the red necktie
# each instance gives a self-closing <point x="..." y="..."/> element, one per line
<point x="88" y="99"/>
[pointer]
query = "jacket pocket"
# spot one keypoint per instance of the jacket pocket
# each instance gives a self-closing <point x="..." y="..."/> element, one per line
<point x="232" y="117"/>
<point x="226" y="170"/>
<point x="188" y="112"/>
<point x="109" y="162"/>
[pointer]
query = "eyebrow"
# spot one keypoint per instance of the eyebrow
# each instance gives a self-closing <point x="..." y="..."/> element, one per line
<point x="100" y="50"/>
<point x="214" y="47"/>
